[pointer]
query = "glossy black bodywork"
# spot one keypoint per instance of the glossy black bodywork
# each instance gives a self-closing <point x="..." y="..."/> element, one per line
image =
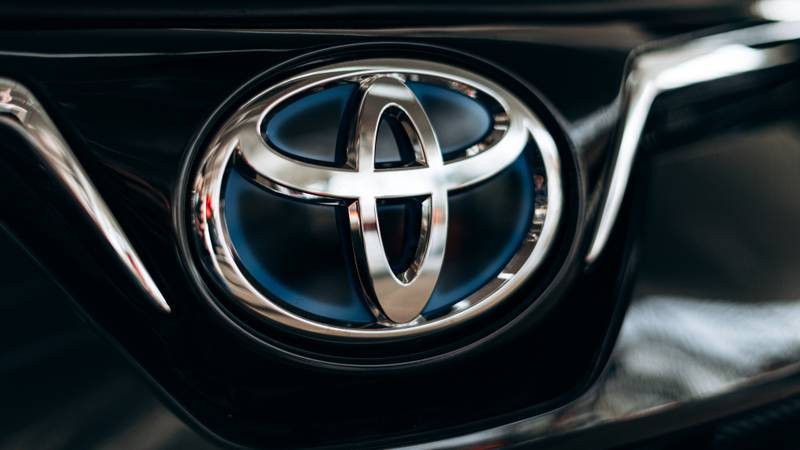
<point x="321" y="14"/>
<point x="131" y="102"/>
<point x="63" y="385"/>
<point x="132" y="118"/>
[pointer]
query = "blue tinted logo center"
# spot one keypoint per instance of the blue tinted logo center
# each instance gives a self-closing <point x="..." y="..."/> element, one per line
<point x="301" y="252"/>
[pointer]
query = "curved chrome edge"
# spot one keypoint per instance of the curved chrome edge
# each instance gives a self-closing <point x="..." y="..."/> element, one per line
<point x="656" y="72"/>
<point x="27" y="116"/>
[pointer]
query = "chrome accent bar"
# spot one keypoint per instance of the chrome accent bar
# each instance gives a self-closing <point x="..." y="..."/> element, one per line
<point x="20" y="110"/>
<point x="656" y="72"/>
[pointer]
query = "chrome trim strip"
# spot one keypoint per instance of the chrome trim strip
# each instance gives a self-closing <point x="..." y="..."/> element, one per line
<point x="656" y="72"/>
<point x="25" y="114"/>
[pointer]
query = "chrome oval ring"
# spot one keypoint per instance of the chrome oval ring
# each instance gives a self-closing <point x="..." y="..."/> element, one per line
<point x="240" y="137"/>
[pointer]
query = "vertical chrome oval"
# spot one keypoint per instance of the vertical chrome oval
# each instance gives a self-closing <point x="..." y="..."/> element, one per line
<point x="401" y="298"/>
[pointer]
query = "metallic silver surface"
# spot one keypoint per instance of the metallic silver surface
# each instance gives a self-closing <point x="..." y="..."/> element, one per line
<point x="20" y="111"/>
<point x="398" y="298"/>
<point x="672" y="351"/>
<point x="655" y="72"/>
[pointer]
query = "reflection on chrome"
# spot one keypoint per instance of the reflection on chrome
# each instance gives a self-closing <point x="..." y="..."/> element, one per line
<point x="20" y="111"/>
<point x="777" y="9"/>
<point x="655" y="72"/>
